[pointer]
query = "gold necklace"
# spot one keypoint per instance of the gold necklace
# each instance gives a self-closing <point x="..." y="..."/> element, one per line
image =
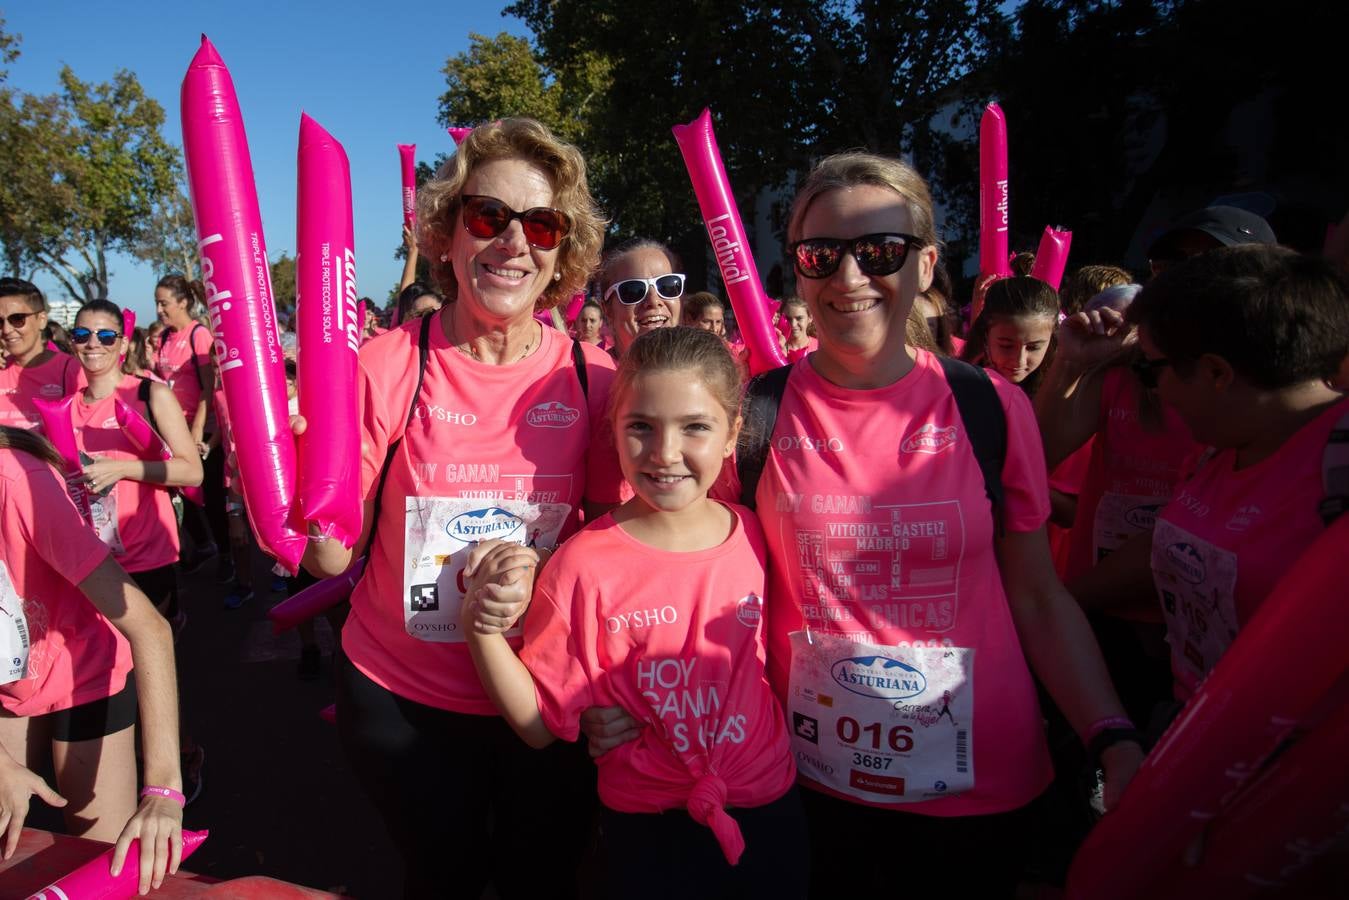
<point x="469" y="350"/>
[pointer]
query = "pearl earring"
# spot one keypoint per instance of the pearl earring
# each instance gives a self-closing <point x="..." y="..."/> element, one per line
<point x="444" y="257"/>
<point x="557" y="276"/>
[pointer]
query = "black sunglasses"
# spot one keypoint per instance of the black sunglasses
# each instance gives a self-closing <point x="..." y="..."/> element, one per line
<point x="1147" y="370"/>
<point x="487" y="217"/>
<point x="106" y="336"/>
<point x="631" y="291"/>
<point x="876" y="254"/>
<point x="18" y="320"/>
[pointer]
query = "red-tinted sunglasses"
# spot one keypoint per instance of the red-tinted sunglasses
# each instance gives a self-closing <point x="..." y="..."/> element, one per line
<point x="487" y="217"/>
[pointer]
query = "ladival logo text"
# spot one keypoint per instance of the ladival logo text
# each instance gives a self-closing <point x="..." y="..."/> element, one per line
<point x="929" y="439"/>
<point x="552" y="415"/>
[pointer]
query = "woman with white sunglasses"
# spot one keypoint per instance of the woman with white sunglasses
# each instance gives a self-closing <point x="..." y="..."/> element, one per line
<point x="476" y="423"/>
<point x="642" y="290"/>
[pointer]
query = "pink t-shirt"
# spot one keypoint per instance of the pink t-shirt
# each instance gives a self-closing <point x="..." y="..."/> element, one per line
<point x="687" y="660"/>
<point x="493" y="452"/>
<point x="890" y="639"/>
<point x="1228" y="537"/>
<point x="141" y="527"/>
<point x="812" y="344"/>
<point x="75" y="655"/>
<point x="184" y="354"/>
<point x="20" y="385"/>
<point x="1131" y="476"/>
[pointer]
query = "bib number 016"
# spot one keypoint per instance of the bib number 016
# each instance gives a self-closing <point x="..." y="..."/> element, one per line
<point x="899" y="738"/>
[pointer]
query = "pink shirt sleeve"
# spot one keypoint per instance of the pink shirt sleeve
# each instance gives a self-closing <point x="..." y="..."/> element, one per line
<point x="553" y="657"/>
<point x="1025" y="483"/>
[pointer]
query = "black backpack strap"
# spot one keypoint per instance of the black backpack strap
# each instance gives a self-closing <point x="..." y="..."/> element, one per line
<point x="143" y="395"/>
<point x="763" y="396"/>
<point x="985" y="422"/>
<point x="192" y="351"/>
<point x="578" y="359"/>
<point x="1335" y="472"/>
<point x="423" y="354"/>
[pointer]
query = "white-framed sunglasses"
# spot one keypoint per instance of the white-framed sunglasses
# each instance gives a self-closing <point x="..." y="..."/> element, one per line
<point x="631" y="291"/>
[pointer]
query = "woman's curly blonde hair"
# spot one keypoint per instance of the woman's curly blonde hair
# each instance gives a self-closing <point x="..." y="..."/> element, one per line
<point x="438" y="203"/>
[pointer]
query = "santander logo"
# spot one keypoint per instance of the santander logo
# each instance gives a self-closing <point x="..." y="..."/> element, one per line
<point x="929" y="439"/>
<point x="552" y="414"/>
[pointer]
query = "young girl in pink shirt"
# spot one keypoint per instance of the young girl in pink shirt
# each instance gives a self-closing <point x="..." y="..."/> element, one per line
<point x="670" y="628"/>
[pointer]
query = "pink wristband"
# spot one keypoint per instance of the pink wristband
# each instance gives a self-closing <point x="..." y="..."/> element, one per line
<point x="152" y="791"/>
<point x="1102" y="724"/>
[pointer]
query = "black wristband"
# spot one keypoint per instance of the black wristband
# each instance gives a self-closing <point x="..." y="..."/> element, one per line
<point x="1109" y="737"/>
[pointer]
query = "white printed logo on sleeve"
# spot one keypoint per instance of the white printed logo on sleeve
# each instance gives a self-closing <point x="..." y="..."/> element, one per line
<point x="883" y="724"/>
<point x="1197" y="584"/>
<point x="13" y="631"/>
<point x="1120" y="517"/>
<point x="439" y="533"/>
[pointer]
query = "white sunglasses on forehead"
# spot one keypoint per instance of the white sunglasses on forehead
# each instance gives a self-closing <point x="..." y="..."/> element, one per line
<point x="631" y="291"/>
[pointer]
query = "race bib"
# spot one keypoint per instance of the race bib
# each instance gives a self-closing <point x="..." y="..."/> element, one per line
<point x="1197" y="584"/>
<point x="440" y="531"/>
<point x="1120" y="517"/>
<point x="882" y="724"/>
<point x="13" y="631"/>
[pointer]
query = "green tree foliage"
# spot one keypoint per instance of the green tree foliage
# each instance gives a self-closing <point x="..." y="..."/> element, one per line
<point x="84" y="172"/>
<point x="787" y="82"/>
<point x="283" y="282"/>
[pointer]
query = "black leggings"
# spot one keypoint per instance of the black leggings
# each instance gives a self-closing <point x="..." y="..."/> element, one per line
<point x="868" y="851"/>
<point x="209" y="524"/>
<point x="465" y="800"/>
<point x="653" y="856"/>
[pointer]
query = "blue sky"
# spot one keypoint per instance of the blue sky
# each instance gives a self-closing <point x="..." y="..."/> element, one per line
<point x="368" y="72"/>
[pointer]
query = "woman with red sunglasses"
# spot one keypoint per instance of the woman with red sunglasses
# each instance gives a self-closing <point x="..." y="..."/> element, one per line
<point x="906" y="610"/>
<point x="477" y="423"/>
<point x="31" y="370"/>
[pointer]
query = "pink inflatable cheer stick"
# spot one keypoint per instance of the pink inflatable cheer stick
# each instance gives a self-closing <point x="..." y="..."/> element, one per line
<point x="315" y="599"/>
<point x="146" y="440"/>
<point x="91" y="881"/>
<point x="58" y="428"/>
<point x="993" y="206"/>
<point x="458" y="134"/>
<point x="128" y="322"/>
<point x="329" y="336"/>
<point x="1052" y="256"/>
<point x="574" y="306"/>
<point x="237" y="276"/>
<point x="407" y="157"/>
<point x="752" y="307"/>
<point x="329" y="714"/>
<point x="1227" y="731"/>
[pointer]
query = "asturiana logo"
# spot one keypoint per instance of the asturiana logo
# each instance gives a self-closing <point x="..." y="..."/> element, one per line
<point x="553" y="414"/>
<point x="1144" y="517"/>
<point x="929" y="439"/>
<point x="1188" y="562"/>
<point x="879" y="676"/>
<point x="493" y="523"/>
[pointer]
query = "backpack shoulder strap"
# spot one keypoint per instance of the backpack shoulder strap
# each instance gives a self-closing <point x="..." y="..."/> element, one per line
<point x="985" y="422"/>
<point x="578" y="359"/>
<point x="143" y="395"/>
<point x="1335" y="472"/>
<point x="763" y="396"/>
<point x="423" y="354"/>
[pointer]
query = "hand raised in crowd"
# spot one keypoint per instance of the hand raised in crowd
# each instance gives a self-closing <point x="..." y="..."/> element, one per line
<point x="159" y="825"/>
<point x="17" y="785"/>
<point x="1094" y="336"/>
<point x="499" y="580"/>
